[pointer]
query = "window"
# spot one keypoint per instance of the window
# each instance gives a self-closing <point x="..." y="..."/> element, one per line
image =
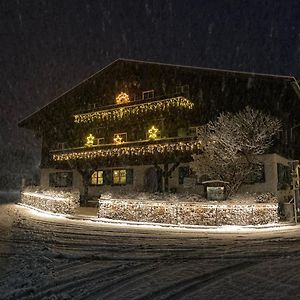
<point x="119" y="177"/>
<point x="257" y="175"/>
<point x="92" y="106"/>
<point x="183" y="172"/>
<point x="60" y="146"/>
<point x="148" y="95"/>
<point x="97" y="178"/>
<point x="61" y="179"/>
<point x="284" y="176"/>
<point x="98" y="141"/>
<point x="181" y="89"/>
<point x="194" y="131"/>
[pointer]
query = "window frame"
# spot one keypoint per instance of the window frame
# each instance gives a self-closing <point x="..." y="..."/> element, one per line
<point x="97" y="178"/>
<point x="119" y="181"/>
<point x="55" y="179"/>
<point x="149" y="92"/>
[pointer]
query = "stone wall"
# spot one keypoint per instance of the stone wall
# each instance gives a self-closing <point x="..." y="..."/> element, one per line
<point x="56" y="201"/>
<point x="190" y="213"/>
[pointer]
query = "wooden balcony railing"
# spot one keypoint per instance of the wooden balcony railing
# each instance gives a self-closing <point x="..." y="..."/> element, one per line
<point x="131" y="148"/>
<point x="137" y="108"/>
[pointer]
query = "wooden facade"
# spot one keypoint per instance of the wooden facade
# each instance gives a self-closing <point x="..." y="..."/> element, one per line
<point x="118" y="106"/>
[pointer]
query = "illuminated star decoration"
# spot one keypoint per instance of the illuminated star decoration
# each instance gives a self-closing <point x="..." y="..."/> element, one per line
<point x="118" y="140"/>
<point x="89" y="140"/>
<point x="122" y="98"/>
<point x="153" y="133"/>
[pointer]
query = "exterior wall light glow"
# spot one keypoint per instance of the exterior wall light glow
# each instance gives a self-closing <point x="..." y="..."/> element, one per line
<point x="153" y="133"/>
<point x="89" y="140"/>
<point x="122" y="98"/>
<point x="127" y="112"/>
<point x="180" y="147"/>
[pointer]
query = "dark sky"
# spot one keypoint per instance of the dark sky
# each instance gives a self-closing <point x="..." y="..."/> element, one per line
<point x="47" y="46"/>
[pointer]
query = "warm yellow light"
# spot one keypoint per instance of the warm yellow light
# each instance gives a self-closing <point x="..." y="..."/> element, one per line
<point x="130" y="111"/>
<point x="192" y="146"/>
<point x="122" y="98"/>
<point x="118" y="140"/>
<point x="89" y="140"/>
<point x="153" y="133"/>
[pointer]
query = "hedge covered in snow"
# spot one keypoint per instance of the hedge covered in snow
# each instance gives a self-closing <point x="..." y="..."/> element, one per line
<point x="57" y="201"/>
<point x="191" y="213"/>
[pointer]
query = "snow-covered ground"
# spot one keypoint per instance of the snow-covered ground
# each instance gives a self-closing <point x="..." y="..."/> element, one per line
<point x="47" y="257"/>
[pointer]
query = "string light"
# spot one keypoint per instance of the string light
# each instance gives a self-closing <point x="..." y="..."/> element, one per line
<point x="122" y="98"/>
<point x="191" y="146"/>
<point x="89" y="140"/>
<point x="118" y="140"/>
<point x="153" y="133"/>
<point x="120" y="113"/>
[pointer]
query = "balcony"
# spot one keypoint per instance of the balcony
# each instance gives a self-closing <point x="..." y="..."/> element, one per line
<point x="133" y="109"/>
<point x="171" y="145"/>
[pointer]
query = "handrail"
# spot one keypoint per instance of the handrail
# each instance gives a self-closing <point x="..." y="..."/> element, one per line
<point x="121" y="112"/>
<point x="128" y="143"/>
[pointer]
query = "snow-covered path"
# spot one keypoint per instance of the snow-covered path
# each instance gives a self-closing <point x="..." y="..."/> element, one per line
<point x="57" y="258"/>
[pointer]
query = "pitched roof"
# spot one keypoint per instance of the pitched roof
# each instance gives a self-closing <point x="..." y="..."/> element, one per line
<point x="24" y="122"/>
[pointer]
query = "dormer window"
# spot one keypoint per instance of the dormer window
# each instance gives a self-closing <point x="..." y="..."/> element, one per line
<point x="148" y="94"/>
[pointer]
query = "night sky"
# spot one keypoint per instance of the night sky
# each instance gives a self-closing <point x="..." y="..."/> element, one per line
<point x="49" y="46"/>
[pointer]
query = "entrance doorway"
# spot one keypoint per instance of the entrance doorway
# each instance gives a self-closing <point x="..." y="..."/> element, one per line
<point x="153" y="180"/>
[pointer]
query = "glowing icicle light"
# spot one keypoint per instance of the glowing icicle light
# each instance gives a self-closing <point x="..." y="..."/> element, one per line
<point x="129" y="111"/>
<point x="89" y="140"/>
<point x="153" y="133"/>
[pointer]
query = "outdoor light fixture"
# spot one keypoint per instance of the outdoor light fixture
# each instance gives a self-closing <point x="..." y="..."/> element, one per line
<point x="89" y="140"/>
<point x="122" y="98"/>
<point x="153" y="133"/>
<point x="118" y="139"/>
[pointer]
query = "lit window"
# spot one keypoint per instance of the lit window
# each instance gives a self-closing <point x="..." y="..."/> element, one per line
<point x="148" y="95"/>
<point x="119" y="176"/>
<point x="97" y="178"/>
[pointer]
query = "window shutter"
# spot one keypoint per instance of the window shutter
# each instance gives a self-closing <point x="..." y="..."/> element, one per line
<point x="107" y="177"/>
<point x="129" y="176"/>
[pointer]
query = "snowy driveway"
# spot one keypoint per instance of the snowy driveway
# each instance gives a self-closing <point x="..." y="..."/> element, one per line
<point x="57" y="258"/>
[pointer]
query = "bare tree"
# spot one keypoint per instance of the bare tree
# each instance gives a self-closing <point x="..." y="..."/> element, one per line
<point x="231" y="144"/>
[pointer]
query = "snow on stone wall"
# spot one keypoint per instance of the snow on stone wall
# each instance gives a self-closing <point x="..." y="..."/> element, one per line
<point x="63" y="202"/>
<point x="191" y="213"/>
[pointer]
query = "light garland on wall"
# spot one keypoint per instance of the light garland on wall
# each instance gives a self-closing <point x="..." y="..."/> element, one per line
<point x="118" y="139"/>
<point x="89" y="140"/>
<point x="191" y="146"/>
<point x="120" y="113"/>
<point x="122" y="98"/>
<point x="153" y="133"/>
